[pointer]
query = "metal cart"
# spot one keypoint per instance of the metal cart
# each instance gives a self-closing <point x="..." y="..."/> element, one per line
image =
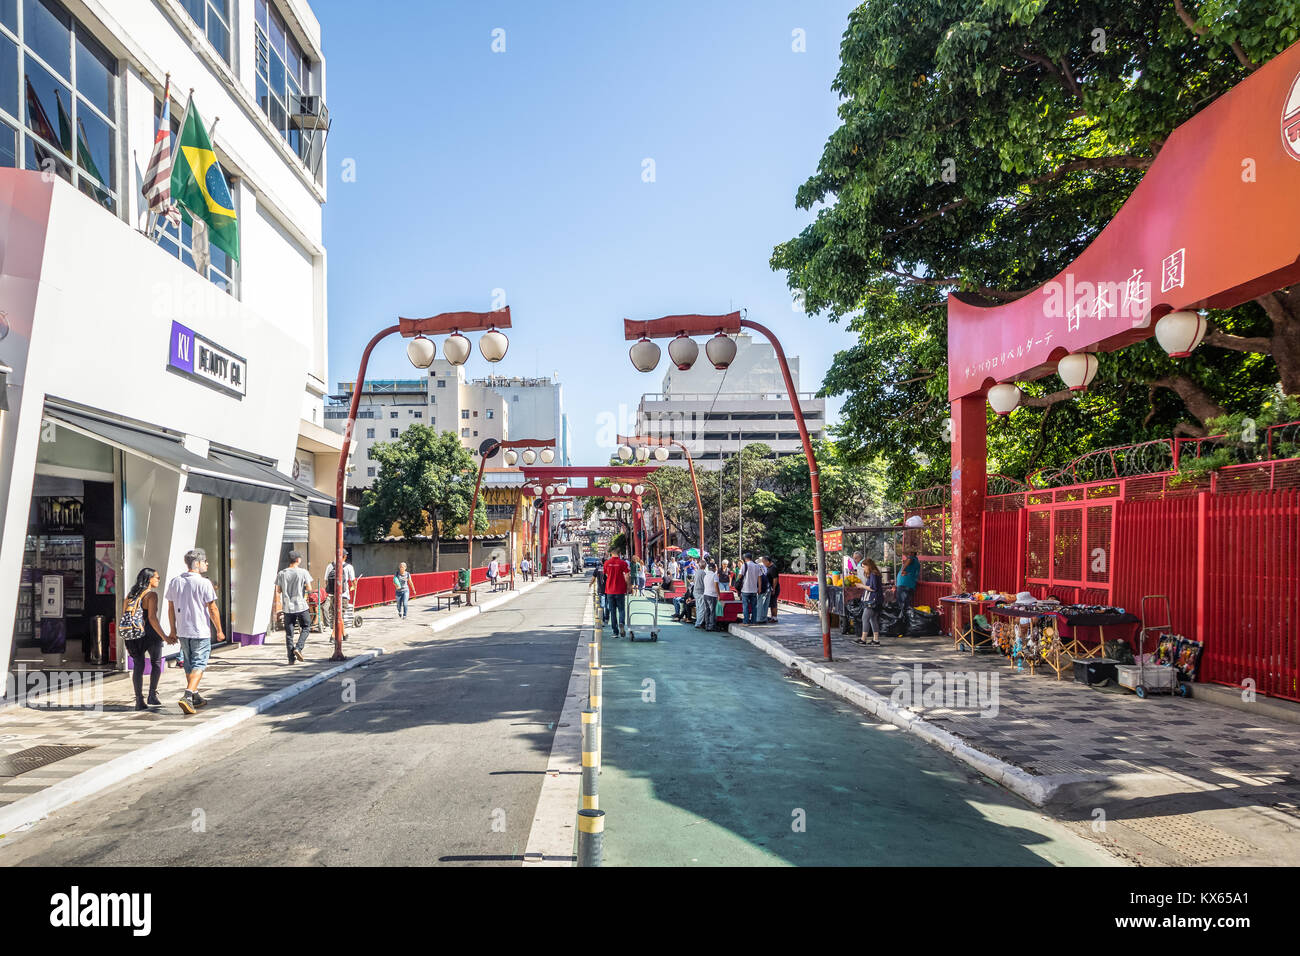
<point x="653" y="616"/>
<point x="1159" y="679"/>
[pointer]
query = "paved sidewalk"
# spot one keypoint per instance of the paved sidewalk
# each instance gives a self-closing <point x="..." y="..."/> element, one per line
<point x="236" y="677"/>
<point x="1189" y="780"/>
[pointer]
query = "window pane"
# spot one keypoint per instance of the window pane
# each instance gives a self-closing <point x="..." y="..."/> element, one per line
<point x="9" y="76"/>
<point x="279" y="119"/>
<point x="95" y="74"/>
<point x="220" y="260"/>
<point x="222" y="8"/>
<point x="48" y="106"/>
<point x="95" y="153"/>
<point x="41" y="157"/>
<point x="169" y="244"/>
<point x="9" y="14"/>
<point x="261" y="13"/>
<point x="276" y="31"/>
<point x="8" y="146"/>
<point x="97" y="192"/>
<point x="219" y="36"/>
<point x="263" y="98"/>
<point x="49" y="32"/>
<point x="277" y="75"/>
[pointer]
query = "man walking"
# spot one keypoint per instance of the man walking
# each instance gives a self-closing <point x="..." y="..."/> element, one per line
<point x="697" y="586"/>
<point x="617" y="580"/>
<point x="773" y="588"/>
<point x="349" y="588"/>
<point x="493" y="571"/>
<point x="191" y="604"/>
<point x="711" y="597"/>
<point x="291" y="587"/>
<point x="525" y="569"/>
<point x="749" y="584"/>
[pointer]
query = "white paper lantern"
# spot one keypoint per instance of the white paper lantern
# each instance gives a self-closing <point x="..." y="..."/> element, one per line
<point x="1077" y="370"/>
<point x="529" y="456"/>
<point x="1004" y="398"/>
<point x="547" y="455"/>
<point x="421" y="351"/>
<point x="661" y="453"/>
<point x="1180" y="332"/>
<point x="642" y="453"/>
<point x="645" y="355"/>
<point x="721" y="350"/>
<point x="639" y="489"/>
<point x="625" y="452"/>
<point x="511" y="456"/>
<point x="550" y="490"/>
<point x="493" y="345"/>
<point x="562" y="488"/>
<point x="456" y="349"/>
<point x="683" y="351"/>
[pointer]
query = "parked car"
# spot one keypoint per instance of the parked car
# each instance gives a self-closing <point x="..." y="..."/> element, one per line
<point x="561" y="564"/>
<point x="591" y="561"/>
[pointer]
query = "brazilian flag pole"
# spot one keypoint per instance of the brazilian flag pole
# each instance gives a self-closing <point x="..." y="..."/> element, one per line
<point x="199" y="186"/>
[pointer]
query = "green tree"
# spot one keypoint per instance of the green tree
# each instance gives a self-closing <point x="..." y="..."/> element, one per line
<point x="425" y="484"/>
<point x="983" y="146"/>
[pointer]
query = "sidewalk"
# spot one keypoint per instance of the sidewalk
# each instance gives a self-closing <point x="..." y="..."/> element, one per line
<point x="237" y="680"/>
<point x="1183" y="781"/>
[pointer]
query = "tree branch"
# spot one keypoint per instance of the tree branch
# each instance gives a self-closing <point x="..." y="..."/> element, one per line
<point x="1201" y="31"/>
<point x="1197" y="400"/>
<point x="1239" y="343"/>
<point x="1046" y="401"/>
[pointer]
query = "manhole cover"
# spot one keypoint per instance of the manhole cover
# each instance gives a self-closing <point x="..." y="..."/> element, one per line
<point x="1197" y="841"/>
<point x="11" y="765"/>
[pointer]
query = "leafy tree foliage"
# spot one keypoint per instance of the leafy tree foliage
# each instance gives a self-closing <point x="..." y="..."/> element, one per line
<point x="425" y="485"/>
<point x="983" y="146"/>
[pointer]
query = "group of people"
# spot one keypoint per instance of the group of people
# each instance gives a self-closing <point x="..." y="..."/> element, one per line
<point x="866" y="570"/>
<point x="758" y="582"/>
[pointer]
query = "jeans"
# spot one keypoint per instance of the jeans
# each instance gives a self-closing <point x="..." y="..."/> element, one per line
<point x="604" y="608"/>
<point x="303" y="620"/>
<point x="905" y="596"/>
<point x="617" y="611"/>
<point x="194" y="653"/>
<point x="762" y="607"/>
<point x="677" y="605"/>
<point x="710" y="603"/>
<point x="750" y="603"/>
<point x="402" y="595"/>
<point x="701" y="610"/>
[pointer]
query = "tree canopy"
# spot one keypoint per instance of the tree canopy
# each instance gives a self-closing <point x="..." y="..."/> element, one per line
<point x="983" y="145"/>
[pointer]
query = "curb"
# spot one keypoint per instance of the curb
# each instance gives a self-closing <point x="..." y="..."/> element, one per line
<point x="1037" y="790"/>
<point x="474" y="610"/>
<point x="38" y="805"/>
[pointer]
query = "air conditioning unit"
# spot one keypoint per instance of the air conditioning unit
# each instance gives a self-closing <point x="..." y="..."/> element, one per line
<point x="312" y="113"/>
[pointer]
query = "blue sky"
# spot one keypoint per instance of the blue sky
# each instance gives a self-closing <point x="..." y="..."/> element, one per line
<point x="522" y="171"/>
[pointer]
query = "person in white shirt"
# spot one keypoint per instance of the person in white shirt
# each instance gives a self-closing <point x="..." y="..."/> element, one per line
<point x="697" y="587"/>
<point x="349" y="588"/>
<point x="711" y="597"/>
<point x="191" y="605"/>
<point x="750" y="573"/>
<point x="493" y="570"/>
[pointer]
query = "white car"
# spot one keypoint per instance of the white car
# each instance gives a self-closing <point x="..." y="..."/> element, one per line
<point x="561" y="564"/>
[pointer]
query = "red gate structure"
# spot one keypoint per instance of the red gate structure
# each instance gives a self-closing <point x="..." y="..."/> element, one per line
<point x="1116" y="525"/>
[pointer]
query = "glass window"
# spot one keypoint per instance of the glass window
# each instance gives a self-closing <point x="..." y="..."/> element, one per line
<point x="95" y="74"/>
<point x="49" y="105"/>
<point x="213" y="18"/>
<point x="370" y="472"/>
<point x="464" y="413"/>
<point x="8" y="145"/>
<point x="442" y="383"/>
<point x="490" y="413"/>
<point x="392" y="433"/>
<point x="9" y="14"/>
<point x="219" y="36"/>
<point x="41" y="157"/>
<point x="370" y="433"/>
<point x="464" y="433"/>
<point x="95" y="147"/>
<point x="276" y="31"/>
<point x="392" y="414"/>
<point x="47" y="31"/>
<point x="9" y="76"/>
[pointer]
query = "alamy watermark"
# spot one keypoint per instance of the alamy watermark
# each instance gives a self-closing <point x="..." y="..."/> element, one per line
<point x="75" y="690"/>
<point x="951" y="690"/>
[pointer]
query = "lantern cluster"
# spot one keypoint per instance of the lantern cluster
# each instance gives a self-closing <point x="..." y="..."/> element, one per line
<point x="528" y="456"/>
<point x="422" y="350"/>
<point x="683" y="351"/>
<point x="642" y="453"/>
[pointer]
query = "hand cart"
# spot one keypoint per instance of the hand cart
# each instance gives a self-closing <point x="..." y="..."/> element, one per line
<point x="1158" y="679"/>
<point x="654" y="620"/>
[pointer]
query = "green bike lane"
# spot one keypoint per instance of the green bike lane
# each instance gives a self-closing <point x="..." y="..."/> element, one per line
<point x="713" y="756"/>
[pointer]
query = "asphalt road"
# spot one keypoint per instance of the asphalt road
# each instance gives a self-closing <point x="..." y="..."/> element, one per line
<point x="437" y="758"/>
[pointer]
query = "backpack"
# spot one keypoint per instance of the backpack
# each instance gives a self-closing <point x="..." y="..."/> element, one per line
<point x="131" y="624"/>
<point x="329" y="582"/>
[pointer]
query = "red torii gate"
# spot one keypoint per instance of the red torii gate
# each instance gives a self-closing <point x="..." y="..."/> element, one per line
<point x="544" y="476"/>
<point x="1214" y="223"/>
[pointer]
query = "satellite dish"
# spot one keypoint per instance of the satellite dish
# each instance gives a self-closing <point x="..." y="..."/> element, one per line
<point x="489" y="447"/>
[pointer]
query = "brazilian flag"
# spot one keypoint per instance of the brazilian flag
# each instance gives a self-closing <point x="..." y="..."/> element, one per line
<point x="199" y="186"/>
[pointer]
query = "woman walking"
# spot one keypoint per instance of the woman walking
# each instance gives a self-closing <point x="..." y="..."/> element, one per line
<point x="144" y="636"/>
<point x="871" y="606"/>
<point x="405" y="588"/>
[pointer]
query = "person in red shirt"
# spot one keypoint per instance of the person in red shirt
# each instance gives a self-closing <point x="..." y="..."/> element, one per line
<point x="617" y="580"/>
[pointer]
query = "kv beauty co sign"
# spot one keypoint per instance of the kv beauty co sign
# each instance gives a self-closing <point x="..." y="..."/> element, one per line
<point x="200" y="358"/>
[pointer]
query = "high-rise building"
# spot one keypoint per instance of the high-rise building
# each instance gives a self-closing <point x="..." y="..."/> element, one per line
<point x="147" y="408"/>
<point x="715" y="413"/>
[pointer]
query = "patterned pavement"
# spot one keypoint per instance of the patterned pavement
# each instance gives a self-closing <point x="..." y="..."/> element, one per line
<point x="236" y="676"/>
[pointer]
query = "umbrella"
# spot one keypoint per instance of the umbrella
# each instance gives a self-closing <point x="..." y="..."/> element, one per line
<point x="672" y="547"/>
<point x="693" y="553"/>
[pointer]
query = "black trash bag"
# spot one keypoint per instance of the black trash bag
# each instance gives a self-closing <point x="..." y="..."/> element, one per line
<point x="920" y="624"/>
<point x="851" y="619"/>
<point x="891" y="620"/>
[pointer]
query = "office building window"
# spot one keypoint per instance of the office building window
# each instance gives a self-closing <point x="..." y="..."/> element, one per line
<point x="392" y="414"/>
<point x="442" y="383"/>
<point x="464" y="433"/>
<point x="370" y="453"/>
<point x="392" y="433"/>
<point x="283" y="79"/>
<point x="370" y="472"/>
<point x="514" y="398"/>
<point x="213" y="18"/>
<point x="489" y="413"/>
<point x="417" y="414"/>
<point x="476" y="413"/>
<point x="370" y="433"/>
<point x="476" y="433"/>
<point x="68" y="82"/>
<point x="464" y="413"/>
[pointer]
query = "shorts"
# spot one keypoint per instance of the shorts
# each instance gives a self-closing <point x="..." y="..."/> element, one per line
<point x="194" y="652"/>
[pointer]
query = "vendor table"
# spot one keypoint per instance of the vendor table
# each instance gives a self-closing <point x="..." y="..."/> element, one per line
<point x="964" y="635"/>
<point x="1060" y="654"/>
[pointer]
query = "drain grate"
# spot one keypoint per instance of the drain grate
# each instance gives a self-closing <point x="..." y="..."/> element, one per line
<point x="1197" y="841"/>
<point x="33" y="758"/>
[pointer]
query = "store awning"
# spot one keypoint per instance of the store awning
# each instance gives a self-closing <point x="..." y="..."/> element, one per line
<point x="204" y="476"/>
<point x="319" y="504"/>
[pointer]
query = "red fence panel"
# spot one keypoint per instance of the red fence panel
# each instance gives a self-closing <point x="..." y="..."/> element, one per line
<point x="791" y="593"/>
<point x="379" y="589"/>
<point x="1002" y="552"/>
<point x="1155" y="553"/>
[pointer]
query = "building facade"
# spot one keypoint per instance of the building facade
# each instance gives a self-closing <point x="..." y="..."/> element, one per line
<point x="151" y="409"/>
<point x="714" y="414"/>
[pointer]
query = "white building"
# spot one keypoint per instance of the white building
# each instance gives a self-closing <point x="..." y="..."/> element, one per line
<point x="714" y="414"/>
<point x="150" y="409"/>
<point x="478" y="409"/>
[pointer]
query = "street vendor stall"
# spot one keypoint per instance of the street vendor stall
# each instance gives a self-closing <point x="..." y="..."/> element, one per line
<point x="1046" y="630"/>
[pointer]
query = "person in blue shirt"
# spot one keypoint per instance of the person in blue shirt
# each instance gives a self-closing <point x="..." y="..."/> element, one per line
<point x="908" y="578"/>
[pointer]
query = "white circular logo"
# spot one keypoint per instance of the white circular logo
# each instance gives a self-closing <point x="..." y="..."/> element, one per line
<point x="1291" y="121"/>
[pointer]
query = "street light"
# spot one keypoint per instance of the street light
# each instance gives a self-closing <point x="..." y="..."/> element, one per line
<point x="661" y="454"/>
<point x="642" y="454"/>
<point x="511" y="456"/>
<point x="660" y="446"/>
<point x="547" y="456"/>
<point x="684" y="351"/>
<point x="487" y="450"/>
<point x="625" y="452"/>
<point x="420" y="350"/>
<point x="529" y="456"/>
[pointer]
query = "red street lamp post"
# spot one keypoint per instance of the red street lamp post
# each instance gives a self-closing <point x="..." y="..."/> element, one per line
<point x="721" y="350"/>
<point x="421" y="352"/>
<point x="486" y="451"/>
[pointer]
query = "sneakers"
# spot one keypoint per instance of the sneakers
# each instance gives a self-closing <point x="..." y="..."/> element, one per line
<point x="186" y="703"/>
<point x="199" y="700"/>
<point x="297" y="655"/>
<point x="153" y="700"/>
<point x="140" y="704"/>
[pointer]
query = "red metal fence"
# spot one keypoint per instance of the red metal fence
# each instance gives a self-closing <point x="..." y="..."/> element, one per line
<point x="379" y="589"/>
